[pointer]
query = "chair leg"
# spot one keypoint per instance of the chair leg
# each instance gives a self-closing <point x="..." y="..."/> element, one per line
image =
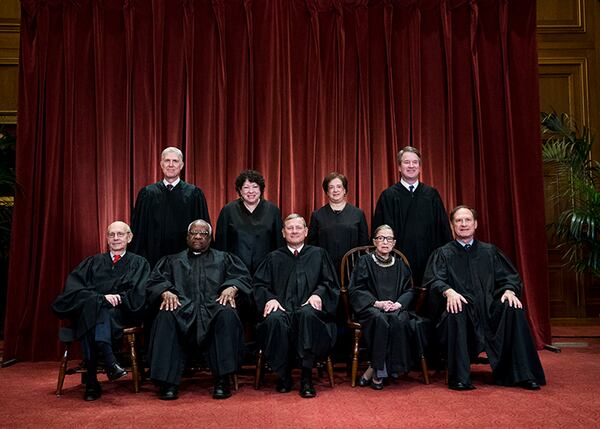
<point x="62" y="370"/>
<point x="330" y="371"/>
<point x="425" y="369"/>
<point x="135" y="372"/>
<point x="259" y="365"/>
<point x="235" y="381"/>
<point x="357" y="335"/>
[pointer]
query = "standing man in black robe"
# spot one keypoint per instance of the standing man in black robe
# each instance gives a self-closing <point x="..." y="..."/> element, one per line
<point x="164" y="209"/>
<point x="415" y="212"/>
<point x="102" y="295"/>
<point x="477" y="291"/>
<point x="195" y="292"/>
<point x="297" y="293"/>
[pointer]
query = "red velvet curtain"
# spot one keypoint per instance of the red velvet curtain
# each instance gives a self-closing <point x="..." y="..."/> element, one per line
<point x="293" y="88"/>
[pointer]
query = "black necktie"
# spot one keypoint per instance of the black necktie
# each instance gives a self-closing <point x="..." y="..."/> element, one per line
<point x="467" y="247"/>
<point x="411" y="188"/>
<point x="169" y="187"/>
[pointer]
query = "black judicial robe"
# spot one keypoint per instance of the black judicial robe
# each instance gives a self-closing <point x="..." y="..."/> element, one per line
<point x="249" y="235"/>
<point x="292" y="280"/>
<point x="96" y="276"/>
<point x="395" y="338"/>
<point x="338" y="232"/>
<point x="160" y="219"/>
<point x="419" y="221"/>
<point x="197" y="280"/>
<point x="482" y="274"/>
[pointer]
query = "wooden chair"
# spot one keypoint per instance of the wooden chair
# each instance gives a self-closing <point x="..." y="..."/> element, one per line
<point x="260" y="364"/>
<point x="129" y="337"/>
<point x="349" y="261"/>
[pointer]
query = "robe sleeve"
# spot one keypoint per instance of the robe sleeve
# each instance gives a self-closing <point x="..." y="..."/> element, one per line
<point x="263" y="284"/>
<point x="236" y="274"/>
<point x="200" y="206"/>
<point x="328" y="288"/>
<point x="359" y="292"/>
<point x="435" y="280"/>
<point x="221" y="230"/>
<point x="160" y="280"/>
<point x="378" y="214"/>
<point x="313" y="230"/>
<point x="363" y="230"/>
<point x="133" y="289"/>
<point x="442" y="225"/>
<point x="506" y="276"/>
<point x="278" y="236"/>
<point x="407" y="294"/>
<point x="139" y="224"/>
<point x="79" y="295"/>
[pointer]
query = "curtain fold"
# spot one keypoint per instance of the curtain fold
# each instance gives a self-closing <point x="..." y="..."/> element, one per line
<point x="294" y="89"/>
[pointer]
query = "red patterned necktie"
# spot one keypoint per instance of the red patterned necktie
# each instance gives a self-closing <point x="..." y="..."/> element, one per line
<point x="116" y="259"/>
<point x="296" y="252"/>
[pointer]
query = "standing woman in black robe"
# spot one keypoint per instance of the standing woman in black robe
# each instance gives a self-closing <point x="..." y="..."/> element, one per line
<point x="249" y="227"/>
<point x="338" y="226"/>
<point x="381" y="294"/>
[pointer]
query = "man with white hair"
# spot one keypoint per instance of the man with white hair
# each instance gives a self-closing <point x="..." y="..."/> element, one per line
<point x="164" y="209"/>
<point x="102" y="295"/>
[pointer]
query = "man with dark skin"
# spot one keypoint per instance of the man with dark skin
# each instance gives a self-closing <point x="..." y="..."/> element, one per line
<point x="195" y="292"/>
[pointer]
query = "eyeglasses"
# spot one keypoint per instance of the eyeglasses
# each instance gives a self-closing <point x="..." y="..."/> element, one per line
<point x="117" y="234"/>
<point x="381" y="238"/>
<point x="200" y="233"/>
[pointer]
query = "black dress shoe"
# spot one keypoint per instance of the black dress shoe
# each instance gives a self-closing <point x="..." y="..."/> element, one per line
<point x="115" y="372"/>
<point x="529" y="385"/>
<point x="222" y="389"/>
<point x="169" y="392"/>
<point x="364" y="382"/>
<point x="307" y="389"/>
<point x="93" y="391"/>
<point x="284" y="384"/>
<point x="461" y="386"/>
<point x="377" y="385"/>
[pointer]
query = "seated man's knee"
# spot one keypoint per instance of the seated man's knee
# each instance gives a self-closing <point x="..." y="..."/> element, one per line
<point x="276" y="318"/>
<point x="308" y="311"/>
<point x="459" y="319"/>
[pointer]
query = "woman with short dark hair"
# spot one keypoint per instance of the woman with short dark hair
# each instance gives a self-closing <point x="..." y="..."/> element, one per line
<point x="338" y="226"/>
<point x="249" y="227"/>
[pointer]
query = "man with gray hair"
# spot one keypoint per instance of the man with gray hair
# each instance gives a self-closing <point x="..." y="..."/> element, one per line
<point x="163" y="210"/>
<point x="194" y="293"/>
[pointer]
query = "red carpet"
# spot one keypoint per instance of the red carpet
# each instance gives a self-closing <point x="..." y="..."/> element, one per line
<point x="571" y="399"/>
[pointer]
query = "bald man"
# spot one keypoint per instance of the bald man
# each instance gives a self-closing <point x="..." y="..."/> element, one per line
<point x="102" y="295"/>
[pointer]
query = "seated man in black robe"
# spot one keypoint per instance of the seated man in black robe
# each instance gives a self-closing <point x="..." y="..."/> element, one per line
<point x="476" y="291"/>
<point x="195" y="293"/>
<point x="297" y="292"/>
<point x="102" y="295"/>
